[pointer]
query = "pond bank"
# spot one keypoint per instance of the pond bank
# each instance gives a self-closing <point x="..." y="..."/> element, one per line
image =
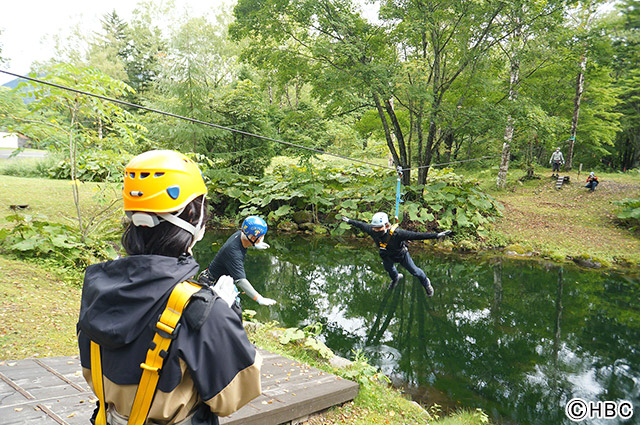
<point x="39" y="312"/>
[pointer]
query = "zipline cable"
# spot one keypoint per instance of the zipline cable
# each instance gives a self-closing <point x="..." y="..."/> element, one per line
<point x="245" y="133"/>
<point x="169" y="114"/>
<point x="452" y="162"/>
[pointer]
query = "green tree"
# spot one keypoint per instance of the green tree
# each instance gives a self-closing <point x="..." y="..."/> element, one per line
<point x="199" y="61"/>
<point x="106" y="48"/>
<point x="444" y="42"/>
<point x="531" y="24"/>
<point x="325" y="43"/>
<point x="240" y="107"/>
<point x="11" y="108"/>
<point x="82" y="122"/>
<point x="626" y="66"/>
<point x="403" y="67"/>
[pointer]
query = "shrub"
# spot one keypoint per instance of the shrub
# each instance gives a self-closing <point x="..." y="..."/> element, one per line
<point x="33" y="237"/>
<point x="630" y="211"/>
<point x="448" y="201"/>
<point x="93" y="166"/>
<point x="29" y="167"/>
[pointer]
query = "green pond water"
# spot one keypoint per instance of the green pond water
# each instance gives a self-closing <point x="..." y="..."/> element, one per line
<point x="516" y="338"/>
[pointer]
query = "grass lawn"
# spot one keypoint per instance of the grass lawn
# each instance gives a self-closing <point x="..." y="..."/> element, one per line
<point x="571" y="221"/>
<point x="51" y="198"/>
<point x="38" y="312"/>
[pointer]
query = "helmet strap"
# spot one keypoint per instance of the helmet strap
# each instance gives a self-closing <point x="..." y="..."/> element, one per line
<point x="249" y="239"/>
<point x="153" y="219"/>
<point x="177" y="221"/>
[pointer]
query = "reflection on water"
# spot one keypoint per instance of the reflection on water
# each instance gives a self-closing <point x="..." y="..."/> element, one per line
<point x="516" y="338"/>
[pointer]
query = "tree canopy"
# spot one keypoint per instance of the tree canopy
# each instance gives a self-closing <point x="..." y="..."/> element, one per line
<point x="419" y="84"/>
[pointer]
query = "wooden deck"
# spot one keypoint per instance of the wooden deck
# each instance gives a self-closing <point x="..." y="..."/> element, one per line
<point x="53" y="391"/>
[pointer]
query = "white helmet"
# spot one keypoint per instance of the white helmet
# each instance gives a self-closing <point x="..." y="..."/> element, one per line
<point x="379" y="219"/>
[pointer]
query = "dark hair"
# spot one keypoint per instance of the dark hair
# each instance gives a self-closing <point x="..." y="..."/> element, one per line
<point x="165" y="238"/>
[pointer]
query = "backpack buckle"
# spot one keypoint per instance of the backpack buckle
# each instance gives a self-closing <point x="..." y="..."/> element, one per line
<point x="167" y="331"/>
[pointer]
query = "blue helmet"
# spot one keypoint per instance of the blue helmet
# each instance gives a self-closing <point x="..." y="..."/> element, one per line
<point x="254" y="226"/>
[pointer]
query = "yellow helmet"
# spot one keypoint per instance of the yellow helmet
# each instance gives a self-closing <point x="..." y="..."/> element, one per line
<point x="161" y="181"/>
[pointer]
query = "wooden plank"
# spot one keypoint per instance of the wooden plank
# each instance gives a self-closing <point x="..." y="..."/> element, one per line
<point x="292" y="390"/>
<point x="44" y="392"/>
<point x="559" y="182"/>
<point x="52" y="391"/>
<point x="67" y="369"/>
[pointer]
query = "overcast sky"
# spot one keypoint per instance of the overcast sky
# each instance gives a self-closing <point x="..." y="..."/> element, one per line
<point x="28" y="26"/>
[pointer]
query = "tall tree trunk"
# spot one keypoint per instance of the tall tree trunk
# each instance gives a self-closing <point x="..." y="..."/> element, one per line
<point x="387" y="131"/>
<point x="448" y="145"/>
<point x="508" y="135"/>
<point x="433" y="116"/>
<point x="397" y="131"/>
<point x="73" y="157"/>
<point x="514" y="77"/>
<point x="576" y="110"/>
<point x="422" y="172"/>
<point x="428" y="151"/>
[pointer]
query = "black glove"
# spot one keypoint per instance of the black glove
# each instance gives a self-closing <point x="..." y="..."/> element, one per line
<point x="443" y="234"/>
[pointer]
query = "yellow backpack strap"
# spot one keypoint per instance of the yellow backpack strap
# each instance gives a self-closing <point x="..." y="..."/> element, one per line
<point x="166" y="331"/>
<point x="393" y="228"/>
<point x="98" y="384"/>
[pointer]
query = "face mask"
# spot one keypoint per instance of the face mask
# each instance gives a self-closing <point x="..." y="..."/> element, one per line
<point x="199" y="230"/>
<point x="253" y="243"/>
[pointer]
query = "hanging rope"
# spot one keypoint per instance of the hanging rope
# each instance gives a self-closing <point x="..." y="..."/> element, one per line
<point x="398" y="185"/>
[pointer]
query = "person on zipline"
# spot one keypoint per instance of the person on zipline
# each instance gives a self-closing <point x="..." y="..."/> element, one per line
<point x="556" y="161"/>
<point x="156" y="347"/>
<point x="229" y="261"/>
<point x="392" y="247"/>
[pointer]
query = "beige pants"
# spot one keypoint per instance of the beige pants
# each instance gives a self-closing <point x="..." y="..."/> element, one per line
<point x="114" y="418"/>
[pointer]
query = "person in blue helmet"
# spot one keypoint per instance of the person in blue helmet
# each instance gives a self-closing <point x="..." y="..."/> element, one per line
<point x="229" y="261"/>
<point x="392" y="247"/>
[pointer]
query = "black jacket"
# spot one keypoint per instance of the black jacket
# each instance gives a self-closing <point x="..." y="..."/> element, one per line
<point x="391" y="245"/>
<point x="210" y="361"/>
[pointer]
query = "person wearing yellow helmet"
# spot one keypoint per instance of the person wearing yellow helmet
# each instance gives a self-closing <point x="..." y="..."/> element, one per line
<point x="209" y="368"/>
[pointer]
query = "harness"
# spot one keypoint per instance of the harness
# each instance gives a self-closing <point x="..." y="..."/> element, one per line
<point x="391" y="230"/>
<point x="166" y="331"/>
